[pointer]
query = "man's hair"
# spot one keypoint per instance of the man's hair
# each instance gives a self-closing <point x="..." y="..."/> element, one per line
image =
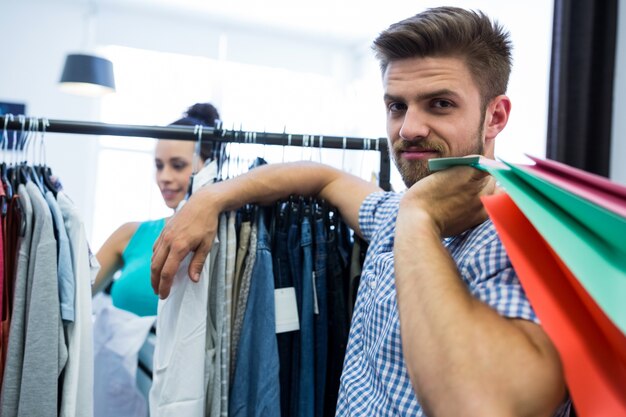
<point x="484" y="45"/>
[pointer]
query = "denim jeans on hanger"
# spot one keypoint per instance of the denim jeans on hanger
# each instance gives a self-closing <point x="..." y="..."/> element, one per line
<point x="295" y="265"/>
<point x="338" y="321"/>
<point x="283" y="279"/>
<point x="306" y="405"/>
<point x="256" y="386"/>
<point x="321" y="318"/>
<point x="344" y="244"/>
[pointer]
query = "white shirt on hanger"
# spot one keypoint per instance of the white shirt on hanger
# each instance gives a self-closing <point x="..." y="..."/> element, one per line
<point x="179" y="379"/>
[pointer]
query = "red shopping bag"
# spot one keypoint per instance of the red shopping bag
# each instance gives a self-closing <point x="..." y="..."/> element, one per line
<point x="592" y="348"/>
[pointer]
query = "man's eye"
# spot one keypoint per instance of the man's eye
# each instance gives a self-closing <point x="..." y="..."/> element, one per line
<point x="179" y="167"/>
<point x="396" y="107"/>
<point x="442" y="104"/>
<point x="158" y="166"/>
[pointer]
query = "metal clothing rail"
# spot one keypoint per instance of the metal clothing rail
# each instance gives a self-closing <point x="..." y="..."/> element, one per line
<point x="213" y="134"/>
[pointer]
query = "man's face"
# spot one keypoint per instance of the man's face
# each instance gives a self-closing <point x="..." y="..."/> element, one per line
<point x="433" y="110"/>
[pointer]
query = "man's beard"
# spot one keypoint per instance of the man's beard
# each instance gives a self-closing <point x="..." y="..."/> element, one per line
<point x="413" y="171"/>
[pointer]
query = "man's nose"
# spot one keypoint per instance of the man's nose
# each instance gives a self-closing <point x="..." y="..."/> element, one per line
<point x="414" y="125"/>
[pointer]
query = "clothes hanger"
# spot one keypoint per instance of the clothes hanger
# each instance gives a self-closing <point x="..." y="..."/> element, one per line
<point x="319" y="148"/>
<point x="8" y="188"/>
<point x="44" y="171"/>
<point x="197" y="130"/>
<point x="29" y="169"/>
<point x="17" y="172"/>
<point x="343" y="155"/>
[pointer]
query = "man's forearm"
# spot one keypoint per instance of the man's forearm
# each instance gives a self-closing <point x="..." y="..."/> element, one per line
<point x="269" y="183"/>
<point x="462" y="356"/>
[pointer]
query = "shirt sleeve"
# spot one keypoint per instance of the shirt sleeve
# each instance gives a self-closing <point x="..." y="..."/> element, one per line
<point x="496" y="282"/>
<point x="375" y="210"/>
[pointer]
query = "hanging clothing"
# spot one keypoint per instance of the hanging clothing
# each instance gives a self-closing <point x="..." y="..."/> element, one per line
<point x="11" y="383"/>
<point x="184" y="356"/>
<point x="118" y="336"/>
<point x="338" y="310"/>
<point x="11" y="228"/>
<point x="182" y="350"/>
<point x="283" y="278"/>
<point x="242" y="297"/>
<point x="231" y="252"/>
<point x="4" y="292"/>
<point x="215" y="323"/>
<point x="295" y="265"/>
<point x="321" y="309"/>
<point x="45" y="353"/>
<point x="256" y="387"/>
<point x="132" y="291"/>
<point x="306" y="395"/>
<point x="77" y="394"/>
<point x="67" y="286"/>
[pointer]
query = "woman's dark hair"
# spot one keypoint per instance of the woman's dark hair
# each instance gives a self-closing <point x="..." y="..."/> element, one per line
<point x="204" y="114"/>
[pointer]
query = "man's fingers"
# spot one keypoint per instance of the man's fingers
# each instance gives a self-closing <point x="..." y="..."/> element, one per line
<point x="171" y="262"/>
<point x="166" y="258"/>
<point x="197" y="261"/>
<point x="159" y="254"/>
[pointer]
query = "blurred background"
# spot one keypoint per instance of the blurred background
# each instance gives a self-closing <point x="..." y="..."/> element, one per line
<point x="300" y="67"/>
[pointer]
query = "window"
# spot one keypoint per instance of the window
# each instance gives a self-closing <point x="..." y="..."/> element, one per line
<point x="155" y="88"/>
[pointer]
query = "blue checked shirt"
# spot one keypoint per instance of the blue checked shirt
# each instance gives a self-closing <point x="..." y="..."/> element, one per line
<point x="375" y="381"/>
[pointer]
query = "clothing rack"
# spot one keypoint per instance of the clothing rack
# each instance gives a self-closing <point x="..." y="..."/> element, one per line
<point x="217" y="134"/>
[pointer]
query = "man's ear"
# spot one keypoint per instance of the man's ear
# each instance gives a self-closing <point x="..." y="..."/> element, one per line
<point x="497" y="116"/>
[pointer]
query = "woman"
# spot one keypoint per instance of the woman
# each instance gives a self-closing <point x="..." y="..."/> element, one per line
<point x="129" y="248"/>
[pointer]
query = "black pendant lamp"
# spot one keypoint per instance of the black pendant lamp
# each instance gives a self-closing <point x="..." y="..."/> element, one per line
<point x="88" y="75"/>
<point x="85" y="73"/>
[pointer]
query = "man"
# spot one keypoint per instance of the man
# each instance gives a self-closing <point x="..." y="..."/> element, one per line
<point x="441" y="325"/>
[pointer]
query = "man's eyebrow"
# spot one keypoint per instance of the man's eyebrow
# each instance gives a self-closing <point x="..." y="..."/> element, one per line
<point x="444" y="92"/>
<point x="390" y="97"/>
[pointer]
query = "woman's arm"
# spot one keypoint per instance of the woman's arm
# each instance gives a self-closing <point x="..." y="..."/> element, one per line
<point x="110" y="255"/>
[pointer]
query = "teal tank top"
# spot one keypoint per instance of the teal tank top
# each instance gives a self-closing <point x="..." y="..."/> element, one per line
<point x="132" y="291"/>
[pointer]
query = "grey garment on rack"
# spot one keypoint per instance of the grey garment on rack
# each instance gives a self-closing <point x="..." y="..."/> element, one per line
<point x="12" y="379"/>
<point x="215" y="322"/>
<point x="242" y="251"/>
<point x="242" y="299"/>
<point x="231" y="253"/>
<point x="45" y="352"/>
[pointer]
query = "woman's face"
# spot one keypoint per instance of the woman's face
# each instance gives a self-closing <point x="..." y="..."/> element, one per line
<point x="173" y="160"/>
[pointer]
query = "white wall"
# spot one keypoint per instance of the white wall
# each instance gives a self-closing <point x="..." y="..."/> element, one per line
<point x="38" y="34"/>
<point x="37" y="37"/>
<point x="618" y="140"/>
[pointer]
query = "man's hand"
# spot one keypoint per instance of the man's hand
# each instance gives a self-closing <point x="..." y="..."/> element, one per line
<point x="450" y="199"/>
<point x="192" y="229"/>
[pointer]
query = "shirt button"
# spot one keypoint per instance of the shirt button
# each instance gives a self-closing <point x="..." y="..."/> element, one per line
<point x="372" y="285"/>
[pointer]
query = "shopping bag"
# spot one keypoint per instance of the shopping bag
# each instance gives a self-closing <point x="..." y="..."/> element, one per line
<point x="590" y="212"/>
<point x="598" y="266"/>
<point x="592" y="349"/>
<point x="597" y="189"/>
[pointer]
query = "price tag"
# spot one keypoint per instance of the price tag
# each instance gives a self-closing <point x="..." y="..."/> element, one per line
<point x="286" y="310"/>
